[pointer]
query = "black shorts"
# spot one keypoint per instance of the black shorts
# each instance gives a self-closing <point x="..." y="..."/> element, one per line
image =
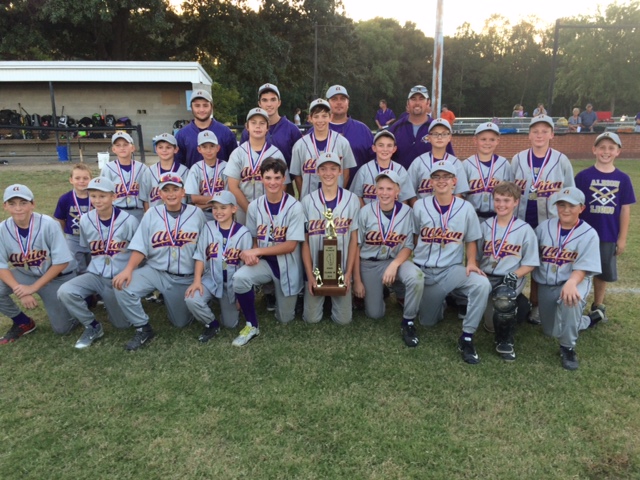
<point x="608" y="262"/>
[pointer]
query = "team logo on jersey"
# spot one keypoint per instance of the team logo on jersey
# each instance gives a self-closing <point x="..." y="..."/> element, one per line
<point x="154" y="196"/>
<point x="216" y="185"/>
<point x="121" y="190"/>
<point x="544" y="188"/>
<point x="553" y="255"/>
<point x="317" y="227"/>
<point x="163" y="239"/>
<point x="425" y="139"/>
<point x="508" y="249"/>
<point x="247" y="176"/>
<point x="604" y="196"/>
<point x="435" y="235"/>
<point x="476" y="185"/>
<point x="232" y="256"/>
<point x="35" y="258"/>
<point x="369" y="192"/>
<point x="98" y="247"/>
<point x="212" y="250"/>
<point x="374" y="238"/>
<point x="275" y="235"/>
<point x="309" y="166"/>
<point x="425" y="187"/>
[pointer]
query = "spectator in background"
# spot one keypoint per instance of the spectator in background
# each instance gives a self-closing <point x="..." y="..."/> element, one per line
<point x="588" y="119"/>
<point x="518" y="111"/>
<point x="385" y="116"/>
<point x="296" y="117"/>
<point x="540" y="110"/>
<point x="448" y="115"/>
<point x="574" y="120"/>
<point x="638" y="123"/>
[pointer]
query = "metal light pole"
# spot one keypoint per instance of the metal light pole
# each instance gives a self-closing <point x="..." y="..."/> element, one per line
<point x="438" y="54"/>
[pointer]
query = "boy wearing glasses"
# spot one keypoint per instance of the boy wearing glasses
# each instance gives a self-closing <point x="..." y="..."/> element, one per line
<point x="447" y="228"/>
<point x="420" y="170"/>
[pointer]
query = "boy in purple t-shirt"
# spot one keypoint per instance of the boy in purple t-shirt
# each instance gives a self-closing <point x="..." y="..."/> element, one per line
<point x="609" y="195"/>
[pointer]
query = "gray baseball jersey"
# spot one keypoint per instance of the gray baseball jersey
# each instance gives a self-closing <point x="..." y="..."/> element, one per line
<point x="364" y="183"/>
<point x="206" y="180"/>
<point x="560" y="255"/>
<point x="483" y="179"/>
<point x="287" y="225"/>
<point x="221" y="255"/>
<point x="373" y="244"/>
<point x="133" y="186"/>
<point x="420" y="174"/>
<point x="556" y="174"/>
<point x="345" y="217"/>
<point x="108" y="244"/>
<point x="499" y="255"/>
<point x="169" y="243"/>
<point x="442" y="236"/>
<point x="244" y="165"/>
<point x="305" y="155"/>
<point x="34" y="255"/>
<point x="155" y="171"/>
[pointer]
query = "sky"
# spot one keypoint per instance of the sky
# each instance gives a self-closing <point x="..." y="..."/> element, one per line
<point x="456" y="12"/>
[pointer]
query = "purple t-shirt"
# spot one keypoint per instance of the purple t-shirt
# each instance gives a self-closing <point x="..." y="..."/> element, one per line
<point x="67" y="210"/>
<point x="187" y="139"/>
<point x="282" y="135"/>
<point x="360" y="139"/>
<point x="605" y="193"/>
<point x="384" y="116"/>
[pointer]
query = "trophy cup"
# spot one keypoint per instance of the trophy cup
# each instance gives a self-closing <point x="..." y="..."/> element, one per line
<point x="328" y="274"/>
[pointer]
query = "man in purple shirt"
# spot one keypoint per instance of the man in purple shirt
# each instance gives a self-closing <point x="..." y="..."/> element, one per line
<point x="187" y="137"/>
<point x="282" y="132"/>
<point x="385" y="116"/>
<point x="412" y="130"/>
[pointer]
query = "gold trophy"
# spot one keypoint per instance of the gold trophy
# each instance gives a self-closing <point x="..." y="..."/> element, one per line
<point x="328" y="274"/>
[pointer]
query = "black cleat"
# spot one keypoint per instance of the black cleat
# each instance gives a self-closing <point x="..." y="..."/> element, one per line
<point x="468" y="350"/>
<point x="208" y="333"/>
<point x="569" y="358"/>
<point x="271" y="302"/>
<point x="409" y="335"/>
<point x="506" y="351"/>
<point x="142" y="337"/>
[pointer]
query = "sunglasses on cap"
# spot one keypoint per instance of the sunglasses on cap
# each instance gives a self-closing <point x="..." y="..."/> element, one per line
<point x="419" y="89"/>
<point x="170" y="178"/>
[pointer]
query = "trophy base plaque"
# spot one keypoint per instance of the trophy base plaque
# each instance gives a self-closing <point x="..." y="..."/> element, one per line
<point x="328" y="274"/>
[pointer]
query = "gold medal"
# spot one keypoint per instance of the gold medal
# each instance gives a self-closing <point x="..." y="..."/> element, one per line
<point x="224" y="265"/>
<point x="533" y="196"/>
<point x="494" y="264"/>
<point x="107" y="261"/>
<point x="26" y="265"/>
<point x="174" y="254"/>
<point x="485" y="197"/>
<point x="554" y="268"/>
<point x="253" y="181"/>
<point x="383" y="250"/>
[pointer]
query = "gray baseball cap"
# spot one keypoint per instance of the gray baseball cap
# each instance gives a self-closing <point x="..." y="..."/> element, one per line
<point x="421" y="89"/>
<point x="201" y="94"/>
<point x="541" y="119"/>
<point x="444" y="166"/>
<point x="124" y="135"/>
<point x="102" y="184"/>
<point x="336" y="90"/>
<point x="207" y="136"/>
<point x="611" y="136"/>
<point x="17" y="191"/>
<point x="439" y="121"/>
<point x="166" y="137"/>
<point x="170" y="179"/>
<point x="268" y="87"/>
<point x="390" y="174"/>
<point x="384" y="133"/>
<point x="257" y="111"/>
<point x="487" y="127"/>
<point x="224" y="197"/>
<point x="572" y="195"/>
<point x="319" y="102"/>
<point x="328" y="157"/>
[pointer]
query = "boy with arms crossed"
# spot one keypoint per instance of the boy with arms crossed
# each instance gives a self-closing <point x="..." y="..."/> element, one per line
<point x="166" y="149"/>
<point x="167" y="239"/>
<point x="106" y="232"/>
<point x="217" y="259"/>
<point x="276" y="223"/>
<point x="70" y="209"/>
<point x="345" y="207"/>
<point x="34" y="258"/>
<point x="446" y="229"/>
<point x="609" y="193"/>
<point x="485" y="169"/>
<point x="569" y="257"/>
<point x="385" y="239"/>
<point x="507" y="252"/>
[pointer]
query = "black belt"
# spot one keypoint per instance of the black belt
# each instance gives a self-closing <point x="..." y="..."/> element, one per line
<point x="128" y="208"/>
<point x="65" y="274"/>
<point x="181" y="275"/>
<point x="485" y="214"/>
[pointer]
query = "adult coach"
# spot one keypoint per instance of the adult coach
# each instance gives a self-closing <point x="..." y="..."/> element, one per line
<point x="385" y="116"/>
<point x="412" y="130"/>
<point x="588" y="119"/>
<point x="282" y="133"/>
<point x="187" y="138"/>
<point x="357" y="133"/>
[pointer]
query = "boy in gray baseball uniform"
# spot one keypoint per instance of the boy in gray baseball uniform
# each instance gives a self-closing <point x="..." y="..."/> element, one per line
<point x="276" y="223"/>
<point x="217" y="259"/>
<point x="167" y="239"/>
<point x="507" y="252"/>
<point x="446" y="229"/>
<point x="34" y="258"/>
<point x="106" y="232"/>
<point x="344" y="207"/>
<point x="385" y="238"/>
<point x="569" y="257"/>
<point x="166" y="148"/>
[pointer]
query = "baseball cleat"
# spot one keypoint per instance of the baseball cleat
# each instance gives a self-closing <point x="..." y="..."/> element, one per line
<point x="468" y="350"/>
<point x="16" y="331"/>
<point x="246" y="334"/>
<point x="409" y="335"/>
<point x="89" y="336"/>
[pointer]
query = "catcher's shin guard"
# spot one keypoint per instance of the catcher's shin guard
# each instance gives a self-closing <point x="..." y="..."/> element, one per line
<point x="505" y="309"/>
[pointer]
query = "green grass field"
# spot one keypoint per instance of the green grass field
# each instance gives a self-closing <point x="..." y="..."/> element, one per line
<point x="321" y="401"/>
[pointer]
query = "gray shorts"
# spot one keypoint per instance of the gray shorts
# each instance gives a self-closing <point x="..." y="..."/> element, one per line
<point x="609" y="262"/>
